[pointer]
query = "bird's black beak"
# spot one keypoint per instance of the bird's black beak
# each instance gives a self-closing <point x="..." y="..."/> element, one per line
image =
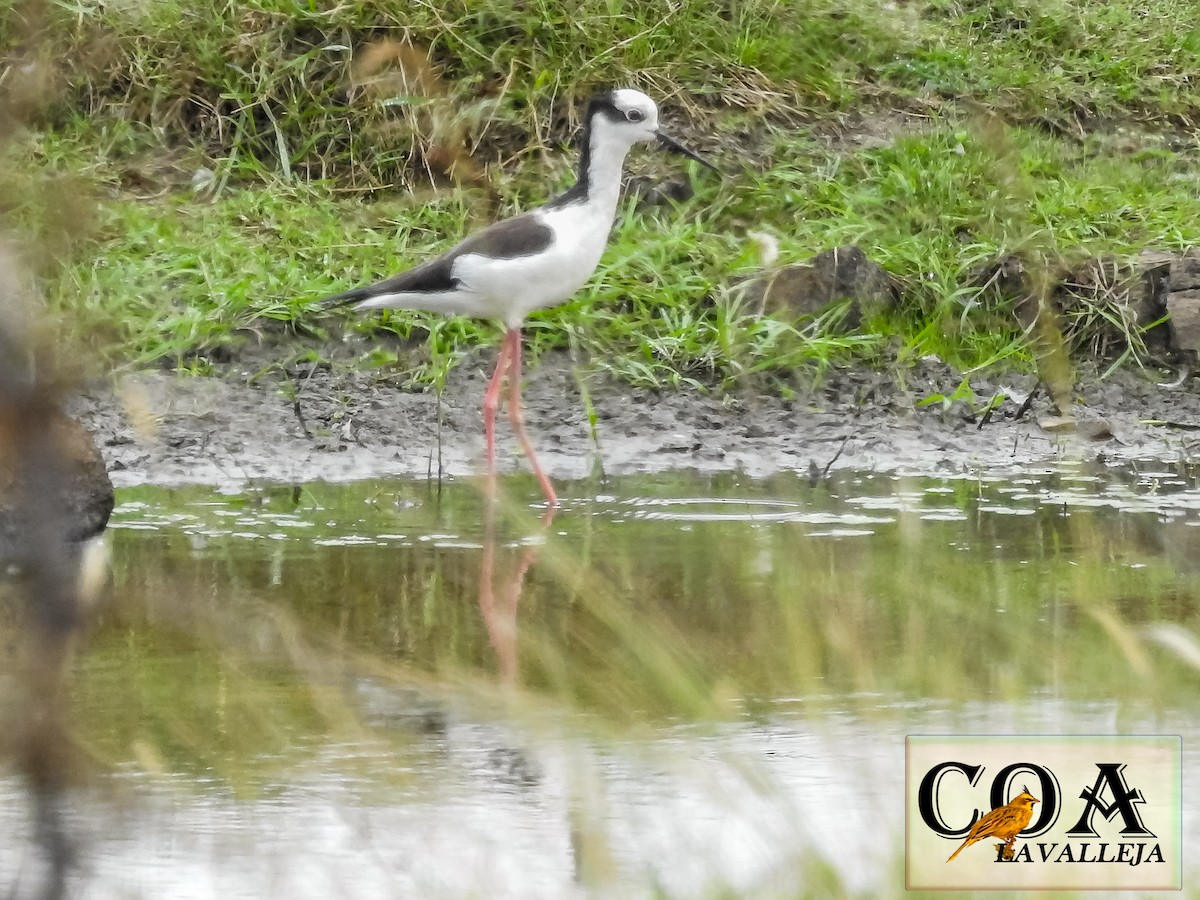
<point x="675" y="147"/>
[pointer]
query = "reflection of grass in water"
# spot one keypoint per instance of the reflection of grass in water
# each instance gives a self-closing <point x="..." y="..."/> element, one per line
<point x="767" y="611"/>
<point x="226" y="685"/>
<point x="643" y="619"/>
<point x="235" y="659"/>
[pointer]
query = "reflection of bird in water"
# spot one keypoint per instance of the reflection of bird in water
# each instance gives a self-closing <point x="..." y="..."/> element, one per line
<point x="1004" y="822"/>
<point x="500" y="617"/>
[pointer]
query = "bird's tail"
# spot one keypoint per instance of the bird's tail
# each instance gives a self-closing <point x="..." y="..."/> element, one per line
<point x="346" y="298"/>
<point x="960" y="849"/>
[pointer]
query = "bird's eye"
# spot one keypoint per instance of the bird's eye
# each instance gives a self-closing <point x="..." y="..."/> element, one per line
<point x="635" y="115"/>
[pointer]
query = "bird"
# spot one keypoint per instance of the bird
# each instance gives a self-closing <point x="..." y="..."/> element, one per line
<point x="531" y="261"/>
<point x="1004" y="822"/>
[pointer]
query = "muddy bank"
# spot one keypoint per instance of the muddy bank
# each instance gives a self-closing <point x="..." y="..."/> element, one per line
<point x="163" y="428"/>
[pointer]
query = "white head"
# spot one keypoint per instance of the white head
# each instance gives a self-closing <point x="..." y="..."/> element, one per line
<point x="634" y="114"/>
<point x="625" y="117"/>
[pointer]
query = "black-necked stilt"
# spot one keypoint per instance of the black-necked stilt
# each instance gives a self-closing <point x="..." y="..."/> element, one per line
<point x="532" y="261"/>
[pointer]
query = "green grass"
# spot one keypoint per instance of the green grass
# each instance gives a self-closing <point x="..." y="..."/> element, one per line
<point x="274" y="81"/>
<point x="227" y="164"/>
<point x="183" y="281"/>
<point x="1059" y="63"/>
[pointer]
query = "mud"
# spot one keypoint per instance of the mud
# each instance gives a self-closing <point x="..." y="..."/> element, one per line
<point x="164" y="428"/>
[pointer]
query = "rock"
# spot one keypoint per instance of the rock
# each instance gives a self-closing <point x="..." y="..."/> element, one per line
<point x="1183" y="305"/>
<point x="1185" y="271"/>
<point x="1094" y="429"/>
<point x="807" y="289"/>
<point x="1056" y="424"/>
<point x="679" y="443"/>
<point x="85" y="498"/>
<point x="88" y="493"/>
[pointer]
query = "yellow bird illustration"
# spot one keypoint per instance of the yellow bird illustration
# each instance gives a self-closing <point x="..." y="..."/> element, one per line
<point x="1004" y="822"/>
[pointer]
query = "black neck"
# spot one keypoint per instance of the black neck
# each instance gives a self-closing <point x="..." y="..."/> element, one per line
<point x="578" y="192"/>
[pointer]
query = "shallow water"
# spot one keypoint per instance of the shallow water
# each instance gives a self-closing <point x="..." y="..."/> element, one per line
<point x="676" y="686"/>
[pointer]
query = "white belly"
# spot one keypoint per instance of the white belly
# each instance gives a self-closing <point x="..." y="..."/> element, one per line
<point x="515" y="287"/>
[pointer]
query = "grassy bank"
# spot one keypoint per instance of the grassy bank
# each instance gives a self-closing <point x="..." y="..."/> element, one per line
<point x="187" y="176"/>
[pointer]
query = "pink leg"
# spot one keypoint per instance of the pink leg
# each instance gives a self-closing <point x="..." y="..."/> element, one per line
<point x="491" y="400"/>
<point x="517" y="418"/>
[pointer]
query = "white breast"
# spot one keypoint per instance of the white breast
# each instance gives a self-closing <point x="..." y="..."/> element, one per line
<point x="515" y="287"/>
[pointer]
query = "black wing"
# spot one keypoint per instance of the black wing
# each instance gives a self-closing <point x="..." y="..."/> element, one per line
<point x="523" y="235"/>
